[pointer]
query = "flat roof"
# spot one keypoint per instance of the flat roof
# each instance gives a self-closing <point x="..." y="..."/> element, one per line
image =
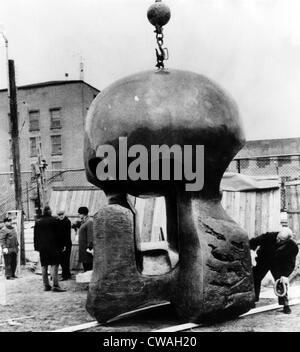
<point x="50" y="83"/>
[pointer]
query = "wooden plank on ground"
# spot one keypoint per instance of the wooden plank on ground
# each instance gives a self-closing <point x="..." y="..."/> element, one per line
<point x="189" y="326"/>
<point x="180" y="327"/>
<point x="79" y="327"/>
<point x="121" y="316"/>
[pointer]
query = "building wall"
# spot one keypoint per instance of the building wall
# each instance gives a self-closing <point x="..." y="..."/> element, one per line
<point x="268" y="147"/>
<point x="73" y="99"/>
<point x="269" y="157"/>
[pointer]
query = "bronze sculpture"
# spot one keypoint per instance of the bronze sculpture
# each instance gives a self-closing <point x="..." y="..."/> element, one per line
<point x="213" y="277"/>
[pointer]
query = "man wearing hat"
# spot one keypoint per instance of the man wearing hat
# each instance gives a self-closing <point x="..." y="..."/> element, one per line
<point x="48" y="242"/>
<point x="65" y="229"/>
<point x="10" y="246"/>
<point x="85" y="239"/>
<point x="277" y="252"/>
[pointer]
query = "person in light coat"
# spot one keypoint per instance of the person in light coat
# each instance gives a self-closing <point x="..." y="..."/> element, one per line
<point x="10" y="247"/>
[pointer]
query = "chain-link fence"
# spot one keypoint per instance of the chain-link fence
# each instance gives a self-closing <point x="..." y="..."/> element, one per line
<point x="283" y="166"/>
<point x="286" y="167"/>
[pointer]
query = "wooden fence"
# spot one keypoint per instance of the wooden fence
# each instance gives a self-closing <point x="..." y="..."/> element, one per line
<point x="255" y="211"/>
<point x="71" y="199"/>
<point x="293" y="206"/>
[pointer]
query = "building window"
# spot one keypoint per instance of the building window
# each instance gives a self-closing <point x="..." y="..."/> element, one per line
<point x="55" y="118"/>
<point x="34" y="120"/>
<point x="262" y="162"/>
<point x="57" y="175"/>
<point x="56" y="145"/>
<point x="33" y="146"/>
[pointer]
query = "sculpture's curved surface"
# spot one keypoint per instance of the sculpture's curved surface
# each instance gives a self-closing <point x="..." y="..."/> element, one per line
<point x="165" y="107"/>
<point x="213" y="277"/>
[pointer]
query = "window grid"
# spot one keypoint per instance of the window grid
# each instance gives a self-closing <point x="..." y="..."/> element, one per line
<point x="33" y="146"/>
<point x="56" y="148"/>
<point x="57" y="165"/>
<point x="34" y="120"/>
<point x="55" y="118"/>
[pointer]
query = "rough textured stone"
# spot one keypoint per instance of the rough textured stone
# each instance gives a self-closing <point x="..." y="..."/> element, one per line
<point x="213" y="278"/>
<point x="117" y="284"/>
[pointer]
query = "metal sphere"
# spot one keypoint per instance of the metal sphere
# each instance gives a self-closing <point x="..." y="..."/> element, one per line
<point x="158" y="14"/>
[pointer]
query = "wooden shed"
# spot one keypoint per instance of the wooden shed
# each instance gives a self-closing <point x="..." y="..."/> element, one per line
<point x="252" y="201"/>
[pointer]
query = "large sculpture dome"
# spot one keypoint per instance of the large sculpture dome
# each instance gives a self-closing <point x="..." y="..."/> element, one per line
<point x="163" y="107"/>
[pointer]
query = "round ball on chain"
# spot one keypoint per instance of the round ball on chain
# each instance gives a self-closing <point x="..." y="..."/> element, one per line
<point x="158" y="14"/>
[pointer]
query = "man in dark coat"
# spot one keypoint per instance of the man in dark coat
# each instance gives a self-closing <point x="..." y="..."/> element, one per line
<point x="48" y="241"/>
<point x="10" y="247"/>
<point x="277" y="252"/>
<point x="85" y="239"/>
<point x="65" y="229"/>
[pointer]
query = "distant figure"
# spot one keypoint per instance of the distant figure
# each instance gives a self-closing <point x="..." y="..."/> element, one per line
<point x="85" y="239"/>
<point x="277" y="252"/>
<point x="48" y="241"/>
<point x="65" y="229"/>
<point x="10" y="247"/>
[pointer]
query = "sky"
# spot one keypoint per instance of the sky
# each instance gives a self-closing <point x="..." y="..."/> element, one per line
<point x="251" y="48"/>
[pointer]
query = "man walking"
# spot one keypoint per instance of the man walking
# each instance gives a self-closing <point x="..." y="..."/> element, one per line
<point x="65" y="230"/>
<point x="277" y="252"/>
<point x="10" y="248"/>
<point x="85" y="239"/>
<point x="48" y="241"/>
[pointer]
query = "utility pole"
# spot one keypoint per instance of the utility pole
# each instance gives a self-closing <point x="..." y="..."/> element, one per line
<point x="16" y="151"/>
<point x="42" y="165"/>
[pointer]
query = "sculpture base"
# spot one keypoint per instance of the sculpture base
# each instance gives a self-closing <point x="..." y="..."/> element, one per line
<point x="212" y="280"/>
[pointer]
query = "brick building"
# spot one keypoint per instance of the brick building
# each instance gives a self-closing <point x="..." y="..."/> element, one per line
<point x="53" y="113"/>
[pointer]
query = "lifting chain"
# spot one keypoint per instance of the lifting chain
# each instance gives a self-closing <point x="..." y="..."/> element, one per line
<point x="158" y="15"/>
<point x="161" y="53"/>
